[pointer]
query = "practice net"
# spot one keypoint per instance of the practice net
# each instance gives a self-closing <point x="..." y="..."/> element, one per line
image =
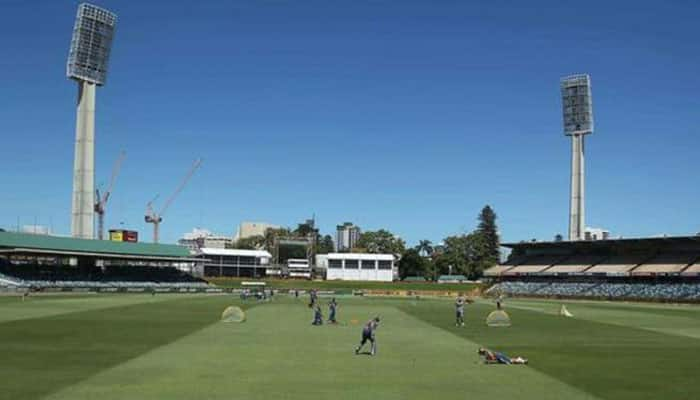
<point x="498" y="318"/>
<point x="233" y="314"/>
<point x="564" y="312"/>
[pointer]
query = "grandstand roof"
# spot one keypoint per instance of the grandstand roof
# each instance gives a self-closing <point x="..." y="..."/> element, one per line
<point x="25" y="242"/>
<point x="693" y="241"/>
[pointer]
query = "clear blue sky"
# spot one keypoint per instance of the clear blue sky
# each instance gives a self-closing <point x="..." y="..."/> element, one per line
<point x="406" y="115"/>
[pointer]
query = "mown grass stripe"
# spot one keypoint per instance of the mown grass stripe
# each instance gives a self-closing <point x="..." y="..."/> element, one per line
<point x="42" y="355"/>
<point x="41" y="306"/>
<point x="278" y="354"/>
<point x="673" y="323"/>
<point x="608" y="361"/>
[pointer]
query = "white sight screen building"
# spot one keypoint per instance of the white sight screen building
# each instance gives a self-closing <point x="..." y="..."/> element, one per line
<point x="91" y="44"/>
<point x="360" y="267"/>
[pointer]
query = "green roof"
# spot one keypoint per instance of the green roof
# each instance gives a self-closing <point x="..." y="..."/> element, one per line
<point x="414" y="279"/>
<point x="68" y="244"/>
<point x="452" y="278"/>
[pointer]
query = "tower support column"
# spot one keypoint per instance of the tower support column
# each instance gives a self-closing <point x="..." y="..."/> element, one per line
<point x="577" y="224"/>
<point x="82" y="214"/>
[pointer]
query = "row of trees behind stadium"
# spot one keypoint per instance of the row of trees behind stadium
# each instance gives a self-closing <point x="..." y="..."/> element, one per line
<point x="467" y="254"/>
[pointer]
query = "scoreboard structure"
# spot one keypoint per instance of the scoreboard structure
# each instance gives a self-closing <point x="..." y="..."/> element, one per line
<point x="122" y="235"/>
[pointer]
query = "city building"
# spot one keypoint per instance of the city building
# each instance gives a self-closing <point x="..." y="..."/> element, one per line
<point x="232" y="262"/>
<point x="346" y="237"/>
<point x="217" y="242"/>
<point x="36" y="229"/>
<point x="250" y="229"/>
<point x="597" y="234"/>
<point x="358" y="266"/>
<point x="200" y="238"/>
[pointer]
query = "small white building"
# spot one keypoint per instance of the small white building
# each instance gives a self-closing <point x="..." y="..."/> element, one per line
<point x="359" y="267"/>
<point x="233" y="262"/>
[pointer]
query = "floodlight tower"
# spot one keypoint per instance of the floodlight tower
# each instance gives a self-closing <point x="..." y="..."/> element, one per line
<point x="577" y="108"/>
<point x="87" y="64"/>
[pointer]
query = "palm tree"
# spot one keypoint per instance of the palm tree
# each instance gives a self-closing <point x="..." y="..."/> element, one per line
<point x="425" y="248"/>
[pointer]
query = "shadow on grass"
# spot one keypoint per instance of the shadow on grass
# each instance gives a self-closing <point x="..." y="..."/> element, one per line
<point x="43" y="355"/>
<point x="608" y="361"/>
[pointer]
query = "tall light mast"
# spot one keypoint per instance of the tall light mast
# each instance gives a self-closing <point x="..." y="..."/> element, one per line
<point x="87" y="64"/>
<point x="156" y="218"/>
<point x="577" y="105"/>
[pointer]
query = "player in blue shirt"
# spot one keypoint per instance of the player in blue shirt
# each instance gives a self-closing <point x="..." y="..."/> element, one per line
<point x="318" y="317"/>
<point x="313" y="298"/>
<point x="368" y="334"/>
<point x="332" y="306"/>
<point x="459" y="311"/>
<point x="493" y="357"/>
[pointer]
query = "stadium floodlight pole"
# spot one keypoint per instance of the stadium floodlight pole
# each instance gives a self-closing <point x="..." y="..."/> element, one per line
<point x="87" y="64"/>
<point x="577" y="106"/>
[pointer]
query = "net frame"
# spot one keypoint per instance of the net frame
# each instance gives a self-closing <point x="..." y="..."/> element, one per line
<point x="498" y="319"/>
<point x="233" y="314"/>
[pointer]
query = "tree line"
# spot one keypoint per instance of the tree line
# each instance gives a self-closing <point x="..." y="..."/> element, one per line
<point x="467" y="254"/>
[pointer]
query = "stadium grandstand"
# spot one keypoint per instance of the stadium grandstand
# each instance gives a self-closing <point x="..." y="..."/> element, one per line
<point x="666" y="269"/>
<point x="44" y="262"/>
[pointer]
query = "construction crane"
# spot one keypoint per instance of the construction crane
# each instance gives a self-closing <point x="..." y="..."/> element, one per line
<point x="156" y="218"/>
<point x="101" y="201"/>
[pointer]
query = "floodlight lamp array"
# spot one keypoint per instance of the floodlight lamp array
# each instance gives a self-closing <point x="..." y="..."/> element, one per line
<point x="577" y="104"/>
<point x="91" y="44"/>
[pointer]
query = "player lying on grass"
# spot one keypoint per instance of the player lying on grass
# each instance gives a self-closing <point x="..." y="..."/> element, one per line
<point x="368" y="335"/>
<point x="494" y="357"/>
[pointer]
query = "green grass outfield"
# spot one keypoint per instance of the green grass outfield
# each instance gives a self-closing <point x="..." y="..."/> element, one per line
<point x="173" y="347"/>
<point x="348" y="285"/>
